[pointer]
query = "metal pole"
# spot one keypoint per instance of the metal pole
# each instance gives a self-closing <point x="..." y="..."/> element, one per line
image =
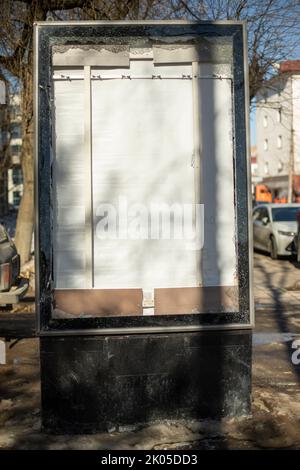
<point x="292" y="157"/>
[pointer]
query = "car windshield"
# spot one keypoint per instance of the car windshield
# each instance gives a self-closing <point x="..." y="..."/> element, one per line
<point x="285" y="214"/>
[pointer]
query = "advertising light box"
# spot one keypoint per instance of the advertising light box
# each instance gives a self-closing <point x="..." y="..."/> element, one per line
<point x="142" y="177"/>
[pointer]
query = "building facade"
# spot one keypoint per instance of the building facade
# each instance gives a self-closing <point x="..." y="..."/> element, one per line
<point x="11" y="180"/>
<point x="255" y="178"/>
<point x="278" y="132"/>
<point x="15" y="179"/>
<point x="3" y="144"/>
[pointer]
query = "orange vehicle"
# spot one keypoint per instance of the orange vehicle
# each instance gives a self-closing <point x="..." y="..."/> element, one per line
<point x="262" y="193"/>
<point x="281" y="200"/>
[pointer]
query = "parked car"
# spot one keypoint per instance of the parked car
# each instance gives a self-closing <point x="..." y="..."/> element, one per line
<point x="297" y="238"/>
<point x="275" y="227"/>
<point x="12" y="286"/>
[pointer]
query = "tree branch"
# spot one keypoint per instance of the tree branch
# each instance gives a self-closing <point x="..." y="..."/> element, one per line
<point x="52" y="5"/>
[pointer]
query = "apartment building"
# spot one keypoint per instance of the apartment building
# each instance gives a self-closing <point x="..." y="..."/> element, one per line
<point x="11" y="180"/>
<point x="15" y="179"/>
<point x="278" y="131"/>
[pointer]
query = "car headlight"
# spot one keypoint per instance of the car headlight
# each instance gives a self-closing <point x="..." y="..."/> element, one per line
<point x="287" y="234"/>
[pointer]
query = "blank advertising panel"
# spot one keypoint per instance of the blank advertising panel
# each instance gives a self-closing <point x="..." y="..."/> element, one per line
<point x="146" y="175"/>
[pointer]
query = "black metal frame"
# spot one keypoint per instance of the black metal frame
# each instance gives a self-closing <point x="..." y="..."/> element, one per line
<point x="50" y="33"/>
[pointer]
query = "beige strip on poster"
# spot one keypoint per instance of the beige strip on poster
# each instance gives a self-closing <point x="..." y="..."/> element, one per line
<point x="97" y="302"/>
<point x="93" y="55"/>
<point x="186" y="300"/>
<point x="204" y="51"/>
<point x="88" y="179"/>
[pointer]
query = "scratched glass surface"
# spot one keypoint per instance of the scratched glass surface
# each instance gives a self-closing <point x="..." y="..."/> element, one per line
<point x="125" y="114"/>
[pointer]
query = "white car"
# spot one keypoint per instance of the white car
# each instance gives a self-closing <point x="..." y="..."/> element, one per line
<point x="275" y="227"/>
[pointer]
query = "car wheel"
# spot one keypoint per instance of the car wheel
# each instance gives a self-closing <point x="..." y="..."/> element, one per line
<point x="273" y="248"/>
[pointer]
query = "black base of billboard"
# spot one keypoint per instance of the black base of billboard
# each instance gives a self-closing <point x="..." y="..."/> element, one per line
<point x="99" y="383"/>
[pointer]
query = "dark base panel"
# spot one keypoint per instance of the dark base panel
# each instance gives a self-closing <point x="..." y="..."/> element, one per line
<point x="93" y="383"/>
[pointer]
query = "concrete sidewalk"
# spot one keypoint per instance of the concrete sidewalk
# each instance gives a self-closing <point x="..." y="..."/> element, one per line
<point x="275" y="420"/>
<point x="276" y="282"/>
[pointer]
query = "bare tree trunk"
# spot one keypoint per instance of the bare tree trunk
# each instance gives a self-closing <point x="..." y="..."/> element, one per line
<point x="25" y="221"/>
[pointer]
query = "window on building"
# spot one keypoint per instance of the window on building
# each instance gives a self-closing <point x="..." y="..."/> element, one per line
<point x="279" y="115"/>
<point x="266" y="168"/>
<point x="16" y="198"/>
<point x="15" y="150"/>
<point x="15" y="111"/>
<point x="265" y="121"/>
<point x="280" y="166"/>
<point x="3" y="138"/>
<point x="15" y="131"/>
<point x="266" y="144"/>
<point x="264" y="95"/>
<point x="17" y="176"/>
<point x="279" y="142"/>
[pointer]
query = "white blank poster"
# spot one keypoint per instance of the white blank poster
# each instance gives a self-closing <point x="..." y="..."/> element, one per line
<point x="218" y="257"/>
<point x="69" y="185"/>
<point x="142" y="151"/>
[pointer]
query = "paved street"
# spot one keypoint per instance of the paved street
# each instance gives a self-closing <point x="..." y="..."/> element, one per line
<point x="276" y="386"/>
<point x="275" y="420"/>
